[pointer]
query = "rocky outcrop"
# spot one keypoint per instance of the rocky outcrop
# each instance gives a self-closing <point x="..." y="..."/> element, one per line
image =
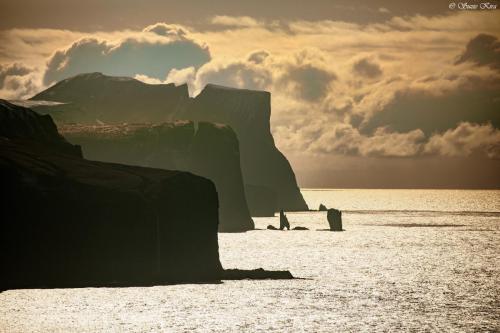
<point x="322" y="208"/>
<point x="96" y="98"/>
<point x="69" y="222"/>
<point x="256" y="274"/>
<point x="205" y="149"/>
<point x="334" y="217"/>
<point x="300" y="228"/>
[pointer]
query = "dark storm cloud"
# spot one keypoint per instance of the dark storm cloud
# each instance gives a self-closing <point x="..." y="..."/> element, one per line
<point x="128" y="58"/>
<point x="367" y="68"/>
<point x="483" y="50"/>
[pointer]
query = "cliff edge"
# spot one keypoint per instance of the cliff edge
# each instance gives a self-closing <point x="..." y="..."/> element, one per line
<point x="70" y="222"/>
<point x="205" y="149"/>
<point x="248" y="112"/>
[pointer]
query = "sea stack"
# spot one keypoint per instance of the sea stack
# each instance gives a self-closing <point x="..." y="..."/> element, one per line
<point x="284" y="221"/>
<point x="334" y="217"/>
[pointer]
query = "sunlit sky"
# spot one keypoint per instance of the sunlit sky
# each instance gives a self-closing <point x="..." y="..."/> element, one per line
<point x="364" y="93"/>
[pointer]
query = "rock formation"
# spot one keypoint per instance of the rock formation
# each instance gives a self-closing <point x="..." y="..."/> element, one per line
<point x="91" y="98"/>
<point x="259" y="274"/>
<point x="205" y="149"/>
<point x="284" y="221"/>
<point x="300" y="228"/>
<point x="322" y="208"/>
<point x="334" y="217"/>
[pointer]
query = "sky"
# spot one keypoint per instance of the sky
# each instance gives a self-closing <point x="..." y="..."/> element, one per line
<point x="365" y="94"/>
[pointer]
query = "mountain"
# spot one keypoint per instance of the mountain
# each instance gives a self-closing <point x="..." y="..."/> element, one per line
<point x="96" y="98"/>
<point x="70" y="222"/>
<point x="205" y="149"/>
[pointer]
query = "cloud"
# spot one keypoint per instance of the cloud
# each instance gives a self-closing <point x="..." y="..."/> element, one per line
<point x="258" y="57"/>
<point x="483" y="49"/>
<point x="466" y="139"/>
<point x="15" y="69"/>
<point x="239" y="74"/>
<point x="235" y="21"/>
<point x="147" y="79"/>
<point x="167" y="30"/>
<point x="344" y="139"/>
<point x="307" y="81"/>
<point x="18" y="81"/>
<point x="303" y="75"/>
<point x="367" y="68"/>
<point x="127" y="57"/>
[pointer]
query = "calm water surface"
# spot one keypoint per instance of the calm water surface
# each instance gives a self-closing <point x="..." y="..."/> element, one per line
<point x="409" y="260"/>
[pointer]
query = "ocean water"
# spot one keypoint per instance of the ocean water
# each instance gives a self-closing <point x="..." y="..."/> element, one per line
<point x="408" y="260"/>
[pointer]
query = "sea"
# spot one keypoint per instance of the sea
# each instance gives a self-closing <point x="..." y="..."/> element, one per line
<point x="407" y="261"/>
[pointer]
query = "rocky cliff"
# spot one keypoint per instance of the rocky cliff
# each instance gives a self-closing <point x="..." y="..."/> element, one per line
<point x="95" y="98"/>
<point x="205" y="149"/>
<point x="69" y="222"/>
<point x="249" y="112"/>
<point x="22" y="124"/>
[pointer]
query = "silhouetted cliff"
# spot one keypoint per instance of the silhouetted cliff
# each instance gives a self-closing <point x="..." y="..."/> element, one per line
<point x="204" y="149"/>
<point x="248" y="112"/>
<point x="96" y="98"/>
<point x="69" y="222"/>
<point x="22" y="124"/>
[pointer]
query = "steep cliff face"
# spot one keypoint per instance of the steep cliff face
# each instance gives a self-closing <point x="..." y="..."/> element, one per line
<point x="69" y="222"/>
<point x="95" y="98"/>
<point x="20" y="123"/>
<point x="248" y="112"/>
<point x="205" y="149"/>
<point x="262" y="201"/>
